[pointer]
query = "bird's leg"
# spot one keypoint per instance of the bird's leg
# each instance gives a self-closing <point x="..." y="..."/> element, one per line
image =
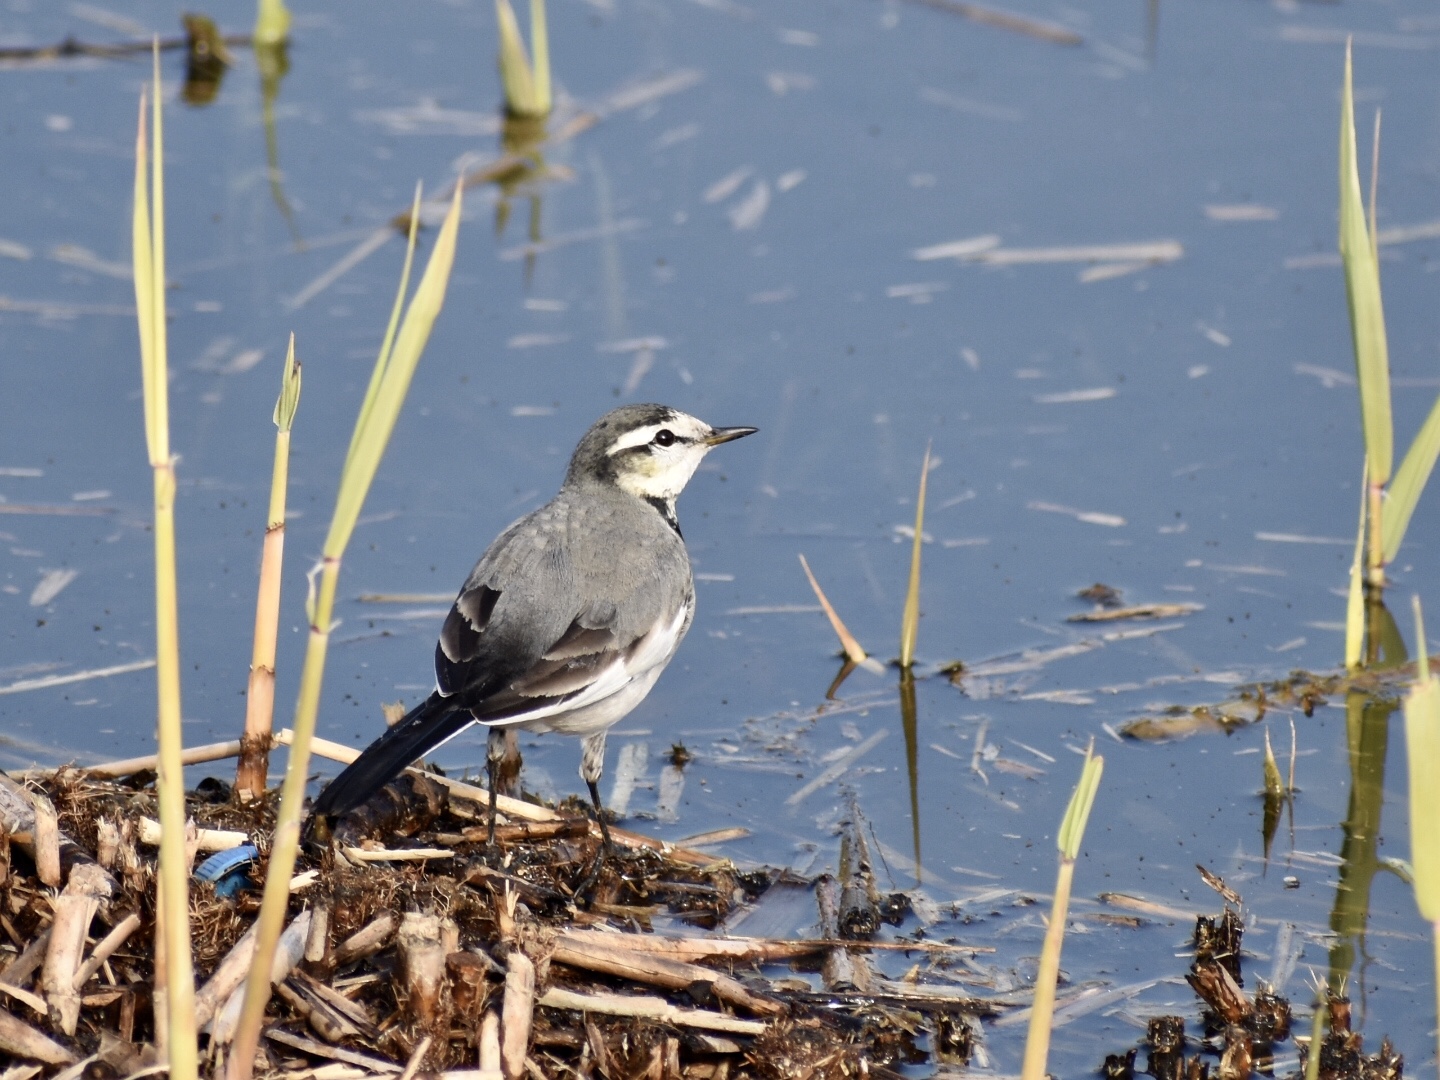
<point x="592" y="767"/>
<point x="494" y="754"/>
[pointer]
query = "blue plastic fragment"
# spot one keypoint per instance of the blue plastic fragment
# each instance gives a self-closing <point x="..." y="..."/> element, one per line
<point x="229" y="869"/>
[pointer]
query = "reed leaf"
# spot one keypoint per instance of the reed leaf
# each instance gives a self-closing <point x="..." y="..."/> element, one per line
<point x="1072" y="826"/>
<point x="910" y="617"/>
<point x="1362" y="290"/>
<point x="395" y="365"/>
<point x="854" y="652"/>
<point x="1410" y="480"/>
<point x="516" y="76"/>
<point x="1422" y="750"/>
<point x="173" y="894"/>
<point x="540" y="42"/>
<point x="387" y="343"/>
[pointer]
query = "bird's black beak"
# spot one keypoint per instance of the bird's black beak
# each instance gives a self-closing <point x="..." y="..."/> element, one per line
<point x="727" y="434"/>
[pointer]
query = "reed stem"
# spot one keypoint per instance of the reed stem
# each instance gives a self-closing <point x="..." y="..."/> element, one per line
<point x="253" y="767"/>
<point x="386" y="394"/>
<point x="173" y="899"/>
<point x="1042" y="1010"/>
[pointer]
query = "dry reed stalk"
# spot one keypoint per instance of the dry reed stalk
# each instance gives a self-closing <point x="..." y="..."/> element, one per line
<point x="20" y="1040"/>
<point x="591" y="954"/>
<point x="74" y="909"/>
<point x="652" y="1008"/>
<point x="422" y="966"/>
<point x="517" y="1014"/>
<point x="490" y="1047"/>
<point x="106" y="948"/>
<point x="366" y="941"/>
<point x="252" y="771"/>
<point x="853" y="650"/>
<point x="910" y="619"/>
<point x="175" y="1019"/>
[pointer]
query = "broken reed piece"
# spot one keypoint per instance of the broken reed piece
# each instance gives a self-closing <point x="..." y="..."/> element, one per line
<point x="288" y="952"/>
<point x="650" y="1008"/>
<point x="318" y="942"/>
<point x="74" y="909"/>
<point x="466" y="972"/>
<point x="842" y="969"/>
<point x="517" y="1014"/>
<point x="366" y="941"/>
<point x="416" y="1056"/>
<point x="859" y="908"/>
<point x="19" y="970"/>
<point x="20" y="1040"/>
<point x="205" y="839"/>
<point x="47" y="841"/>
<point x="595" y="955"/>
<point x="490" y="1047"/>
<point x="422" y="966"/>
<point x="106" y="948"/>
<point x="697" y="948"/>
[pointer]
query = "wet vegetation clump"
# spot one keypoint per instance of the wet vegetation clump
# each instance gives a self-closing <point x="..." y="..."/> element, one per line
<point x="411" y="943"/>
<point x="1247" y="1033"/>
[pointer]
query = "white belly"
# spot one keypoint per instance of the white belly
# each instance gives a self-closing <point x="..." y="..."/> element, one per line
<point x="589" y="719"/>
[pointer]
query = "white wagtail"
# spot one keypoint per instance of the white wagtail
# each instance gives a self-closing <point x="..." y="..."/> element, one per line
<point x="571" y="614"/>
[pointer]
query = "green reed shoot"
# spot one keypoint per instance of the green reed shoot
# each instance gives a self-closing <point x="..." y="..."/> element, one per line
<point x="253" y="767"/>
<point x="1390" y="497"/>
<point x="148" y="254"/>
<point x="1072" y="831"/>
<point x="272" y="23"/>
<point x="1422" y="746"/>
<point x="400" y="352"/>
<point x="1274" y="783"/>
<point x="910" y="617"/>
<point x="527" y="88"/>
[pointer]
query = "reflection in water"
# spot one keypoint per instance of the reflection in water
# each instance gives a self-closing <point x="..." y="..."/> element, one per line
<point x="1367" y="730"/>
<point x="908" y="718"/>
<point x="1367" y="721"/>
<point x="206" y="61"/>
<point x="521" y="138"/>
<point x="273" y="61"/>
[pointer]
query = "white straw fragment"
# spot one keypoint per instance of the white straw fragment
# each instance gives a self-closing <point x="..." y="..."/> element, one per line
<point x="47" y="681"/>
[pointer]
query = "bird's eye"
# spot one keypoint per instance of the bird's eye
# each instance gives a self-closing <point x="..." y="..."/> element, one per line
<point x="664" y="437"/>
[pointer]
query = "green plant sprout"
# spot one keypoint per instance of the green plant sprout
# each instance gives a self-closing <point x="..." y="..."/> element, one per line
<point x="1072" y="831"/>
<point x="1389" y="497"/>
<point x="527" y="88"/>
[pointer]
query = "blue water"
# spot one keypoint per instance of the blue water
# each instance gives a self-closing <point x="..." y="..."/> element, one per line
<point x="1198" y="406"/>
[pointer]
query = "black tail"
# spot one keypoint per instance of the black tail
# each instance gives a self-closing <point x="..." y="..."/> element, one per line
<point x="424" y="727"/>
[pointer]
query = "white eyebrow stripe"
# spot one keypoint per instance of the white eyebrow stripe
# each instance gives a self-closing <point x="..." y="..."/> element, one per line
<point x="639" y="437"/>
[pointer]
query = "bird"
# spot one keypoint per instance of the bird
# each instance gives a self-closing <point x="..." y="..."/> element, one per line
<point x="570" y="615"/>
